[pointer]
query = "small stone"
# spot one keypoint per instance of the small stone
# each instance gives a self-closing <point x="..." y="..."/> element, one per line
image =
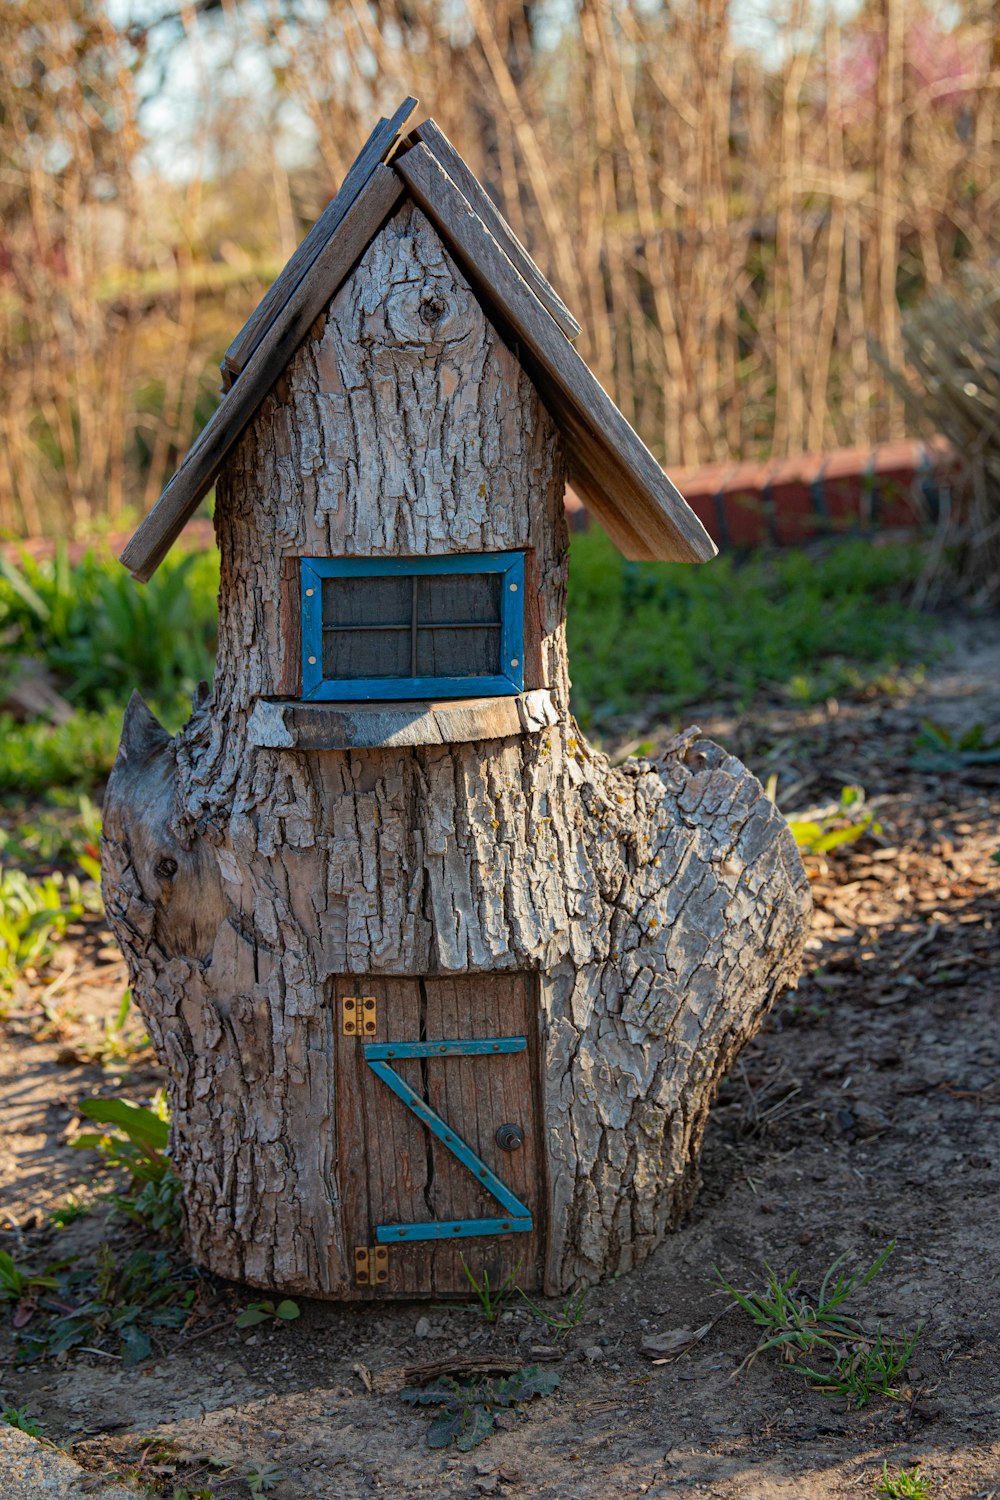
<point x="977" y="1080"/>
<point x="594" y="1353"/>
<point x="423" y="1328"/>
<point x="869" y="1119"/>
<point x="806" y="1237"/>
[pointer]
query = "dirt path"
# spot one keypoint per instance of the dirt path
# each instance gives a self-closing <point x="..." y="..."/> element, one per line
<point x="867" y="1111"/>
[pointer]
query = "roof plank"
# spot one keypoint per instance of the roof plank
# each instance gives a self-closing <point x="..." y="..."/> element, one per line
<point x="277" y="343"/>
<point x="376" y="150"/>
<point x="434" y="138"/>
<point x="612" y="468"/>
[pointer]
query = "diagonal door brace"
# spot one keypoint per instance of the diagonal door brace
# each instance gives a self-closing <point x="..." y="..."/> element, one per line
<point x="518" y="1221"/>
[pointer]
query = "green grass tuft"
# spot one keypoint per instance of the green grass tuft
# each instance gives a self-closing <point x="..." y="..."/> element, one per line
<point x="859" y="1365"/>
<point x="908" y="1484"/>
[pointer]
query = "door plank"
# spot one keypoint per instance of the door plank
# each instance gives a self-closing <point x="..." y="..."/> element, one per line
<point x="484" y="1093"/>
<point x="391" y="1169"/>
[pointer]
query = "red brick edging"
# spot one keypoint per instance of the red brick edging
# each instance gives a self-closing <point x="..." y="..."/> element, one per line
<point x="781" y="501"/>
<point x="785" y="501"/>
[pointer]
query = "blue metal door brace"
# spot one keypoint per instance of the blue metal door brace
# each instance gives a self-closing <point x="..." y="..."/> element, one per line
<point x="518" y="1220"/>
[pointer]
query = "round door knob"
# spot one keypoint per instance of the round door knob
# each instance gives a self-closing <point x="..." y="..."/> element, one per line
<point x="509" y="1137"/>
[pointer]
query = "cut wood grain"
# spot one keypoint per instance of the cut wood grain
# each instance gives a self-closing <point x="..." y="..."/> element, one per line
<point x="434" y="138"/>
<point x="377" y="149"/>
<point x="356" y="726"/>
<point x="151" y="542"/>
<point x="612" y="468"/>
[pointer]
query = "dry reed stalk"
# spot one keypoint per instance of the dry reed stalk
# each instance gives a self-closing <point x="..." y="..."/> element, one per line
<point x="951" y="388"/>
<point x="890" y="162"/>
<point x="789" y="269"/>
<point x="730" y="234"/>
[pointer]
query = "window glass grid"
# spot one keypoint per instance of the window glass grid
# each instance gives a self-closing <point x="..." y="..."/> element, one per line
<point x="428" y="627"/>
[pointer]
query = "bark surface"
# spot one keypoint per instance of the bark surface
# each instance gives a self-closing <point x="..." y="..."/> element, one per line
<point x="661" y="906"/>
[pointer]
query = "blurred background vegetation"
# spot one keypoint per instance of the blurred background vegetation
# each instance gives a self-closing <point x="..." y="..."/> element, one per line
<point x="739" y="201"/>
<point x="646" y="640"/>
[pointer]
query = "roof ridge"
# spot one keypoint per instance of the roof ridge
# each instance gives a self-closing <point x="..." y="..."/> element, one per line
<point x="430" y="134"/>
<point x="376" y="150"/>
<point x="613" y="470"/>
<point x="279" y="340"/>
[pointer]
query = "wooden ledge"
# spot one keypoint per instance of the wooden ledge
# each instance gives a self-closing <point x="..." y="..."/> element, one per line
<point x="284" y="725"/>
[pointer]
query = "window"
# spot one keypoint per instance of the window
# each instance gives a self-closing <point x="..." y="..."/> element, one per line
<point x="408" y="627"/>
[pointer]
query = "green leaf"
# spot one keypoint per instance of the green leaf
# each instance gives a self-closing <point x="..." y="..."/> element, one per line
<point x="532" y="1381"/>
<point x="444" y="1428"/>
<point x="804" y="832"/>
<point x="123" y="1008"/>
<point x="135" y="1345"/>
<point x="287" y="1310"/>
<point x="252" y="1315"/>
<point x="12" y="1281"/>
<point x="430" y="1395"/>
<point x="477" y="1425"/>
<point x="266" y="1478"/>
<point x="22" y="588"/>
<point x="87" y="1141"/>
<point x="140" y="1125"/>
<point x="838" y="836"/>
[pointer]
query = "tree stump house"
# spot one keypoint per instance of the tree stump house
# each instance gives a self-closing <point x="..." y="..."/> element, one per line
<point x="431" y="978"/>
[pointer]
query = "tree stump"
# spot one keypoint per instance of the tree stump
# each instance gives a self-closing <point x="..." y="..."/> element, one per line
<point x="469" y="876"/>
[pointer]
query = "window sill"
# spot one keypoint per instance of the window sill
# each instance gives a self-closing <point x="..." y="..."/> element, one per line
<point x="285" y="725"/>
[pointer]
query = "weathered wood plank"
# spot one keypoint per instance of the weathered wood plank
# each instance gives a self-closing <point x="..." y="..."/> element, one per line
<point x="377" y="148"/>
<point x="624" y="483"/>
<point x="476" y="1095"/>
<point x="150" y="543"/>
<point x="434" y="138"/>
<point x="403" y="1147"/>
<point x="354" y="1149"/>
<point x="356" y="726"/>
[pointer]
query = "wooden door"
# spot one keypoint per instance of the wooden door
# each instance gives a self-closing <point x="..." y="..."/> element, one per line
<point x="427" y="1073"/>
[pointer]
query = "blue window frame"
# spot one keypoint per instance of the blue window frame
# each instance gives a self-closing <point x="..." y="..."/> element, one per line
<point x="412" y="627"/>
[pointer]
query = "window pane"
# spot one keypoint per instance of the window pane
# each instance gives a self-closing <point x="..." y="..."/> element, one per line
<point x="459" y="653"/>
<point x="367" y="601"/>
<point x="366" y="653"/>
<point x="452" y="598"/>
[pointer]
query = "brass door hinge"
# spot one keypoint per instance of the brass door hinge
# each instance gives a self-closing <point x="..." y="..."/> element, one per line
<point x="359" y="1014"/>
<point x="371" y="1264"/>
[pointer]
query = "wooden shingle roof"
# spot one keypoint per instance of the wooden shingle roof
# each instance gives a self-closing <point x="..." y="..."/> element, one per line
<point x="610" y="467"/>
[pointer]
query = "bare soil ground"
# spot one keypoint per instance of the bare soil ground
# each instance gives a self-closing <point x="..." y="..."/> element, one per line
<point x="866" y="1111"/>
